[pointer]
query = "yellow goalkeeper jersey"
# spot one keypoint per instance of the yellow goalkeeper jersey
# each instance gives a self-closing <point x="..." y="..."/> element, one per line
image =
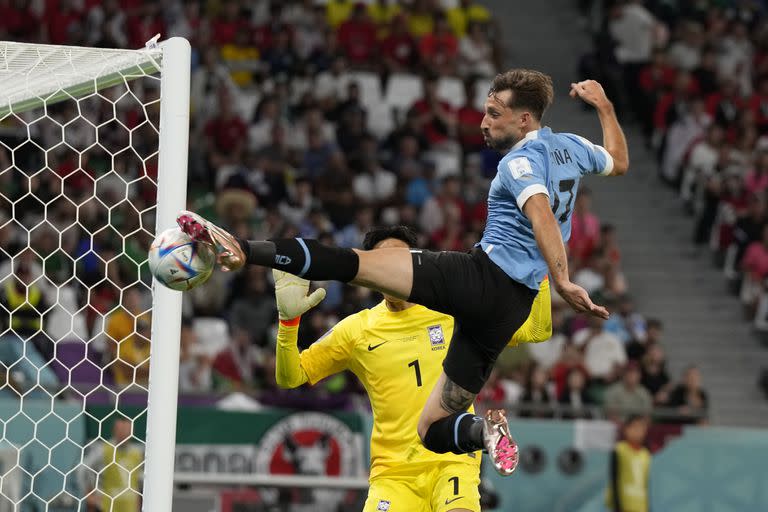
<point x="398" y="356"/>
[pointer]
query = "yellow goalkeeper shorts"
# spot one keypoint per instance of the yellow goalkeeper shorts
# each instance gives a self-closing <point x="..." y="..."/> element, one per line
<point x="438" y="487"/>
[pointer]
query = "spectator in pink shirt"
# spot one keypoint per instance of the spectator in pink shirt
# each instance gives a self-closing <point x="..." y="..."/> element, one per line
<point x="756" y="179"/>
<point x="756" y="259"/>
<point x="585" y="229"/>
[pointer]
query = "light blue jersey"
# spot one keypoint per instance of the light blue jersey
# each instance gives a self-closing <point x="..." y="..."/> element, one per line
<point x="542" y="163"/>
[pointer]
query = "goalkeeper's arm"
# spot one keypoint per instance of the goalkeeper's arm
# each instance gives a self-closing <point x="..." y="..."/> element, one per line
<point x="292" y="302"/>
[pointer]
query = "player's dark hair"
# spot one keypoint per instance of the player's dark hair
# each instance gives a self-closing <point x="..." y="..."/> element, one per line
<point x="531" y="90"/>
<point x="404" y="233"/>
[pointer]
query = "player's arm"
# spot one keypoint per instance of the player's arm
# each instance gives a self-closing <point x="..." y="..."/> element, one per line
<point x="614" y="141"/>
<point x="538" y="325"/>
<point x="292" y="302"/>
<point x="550" y="242"/>
<point x="288" y="370"/>
<point x="326" y="356"/>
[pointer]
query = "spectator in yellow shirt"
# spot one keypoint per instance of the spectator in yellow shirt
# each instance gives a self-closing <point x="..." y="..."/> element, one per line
<point x="128" y="333"/>
<point x="420" y="19"/>
<point x="337" y="11"/>
<point x="630" y="466"/>
<point x="241" y="57"/>
<point x="460" y="16"/>
<point x="382" y="12"/>
<point x="120" y="465"/>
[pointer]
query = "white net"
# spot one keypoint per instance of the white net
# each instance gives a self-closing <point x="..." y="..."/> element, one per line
<point x="79" y="133"/>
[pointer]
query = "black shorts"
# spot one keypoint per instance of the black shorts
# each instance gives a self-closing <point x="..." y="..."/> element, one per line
<point x="487" y="305"/>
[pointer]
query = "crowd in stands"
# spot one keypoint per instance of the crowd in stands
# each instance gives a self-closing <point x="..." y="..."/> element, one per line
<point x="312" y="119"/>
<point x="696" y="79"/>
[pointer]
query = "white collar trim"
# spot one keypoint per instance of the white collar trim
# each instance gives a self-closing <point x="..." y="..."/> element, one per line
<point x="528" y="136"/>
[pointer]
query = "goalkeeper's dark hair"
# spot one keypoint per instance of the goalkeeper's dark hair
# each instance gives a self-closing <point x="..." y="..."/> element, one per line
<point x="377" y="235"/>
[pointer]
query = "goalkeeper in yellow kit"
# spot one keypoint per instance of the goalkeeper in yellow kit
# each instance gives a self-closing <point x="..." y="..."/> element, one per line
<point x="396" y="349"/>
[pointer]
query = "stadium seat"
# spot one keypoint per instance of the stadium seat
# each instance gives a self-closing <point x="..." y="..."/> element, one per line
<point x="370" y="87"/>
<point x="481" y="92"/>
<point x="403" y="91"/>
<point x="212" y="333"/>
<point x="451" y="90"/>
<point x="446" y="163"/>
<point x="381" y="121"/>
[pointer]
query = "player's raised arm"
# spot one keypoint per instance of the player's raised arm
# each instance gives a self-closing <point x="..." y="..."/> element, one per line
<point x="292" y="302"/>
<point x="550" y="242"/>
<point x="613" y="136"/>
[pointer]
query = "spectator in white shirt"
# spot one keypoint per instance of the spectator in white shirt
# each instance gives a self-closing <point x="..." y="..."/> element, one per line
<point x="686" y="53"/>
<point x="476" y="53"/>
<point x="604" y="354"/>
<point x="633" y="30"/>
<point x="701" y="162"/>
<point x="374" y="184"/>
<point x="331" y="85"/>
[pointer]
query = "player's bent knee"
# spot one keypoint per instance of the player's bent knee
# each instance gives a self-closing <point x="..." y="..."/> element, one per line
<point x="423" y="427"/>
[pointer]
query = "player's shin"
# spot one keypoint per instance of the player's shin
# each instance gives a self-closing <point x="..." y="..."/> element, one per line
<point x="461" y="432"/>
<point x="303" y="257"/>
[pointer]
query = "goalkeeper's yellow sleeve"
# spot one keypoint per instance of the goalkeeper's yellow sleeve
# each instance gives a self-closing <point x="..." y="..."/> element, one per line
<point x="288" y="370"/>
<point x="538" y="325"/>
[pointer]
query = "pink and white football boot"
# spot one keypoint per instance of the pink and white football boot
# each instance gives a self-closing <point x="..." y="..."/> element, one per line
<point x="499" y="443"/>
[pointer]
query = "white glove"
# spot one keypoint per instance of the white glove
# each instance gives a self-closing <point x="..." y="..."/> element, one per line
<point x="291" y="294"/>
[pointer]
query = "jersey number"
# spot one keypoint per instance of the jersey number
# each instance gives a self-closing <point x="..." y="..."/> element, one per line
<point x="565" y="186"/>
<point x="415" y="364"/>
<point x="455" y="481"/>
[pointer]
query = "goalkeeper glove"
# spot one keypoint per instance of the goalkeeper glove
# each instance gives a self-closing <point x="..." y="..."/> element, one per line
<point x="291" y="294"/>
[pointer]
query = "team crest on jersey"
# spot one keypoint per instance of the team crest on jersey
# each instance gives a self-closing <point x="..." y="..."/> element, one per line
<point x="520" y="167"/>
<point x="383" y="506"/>
<point x="436" y="338"/>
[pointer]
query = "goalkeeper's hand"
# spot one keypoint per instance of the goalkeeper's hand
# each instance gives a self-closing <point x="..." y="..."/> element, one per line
<point x="291" y="294"/>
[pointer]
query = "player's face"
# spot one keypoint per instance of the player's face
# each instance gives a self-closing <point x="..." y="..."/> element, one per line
<point x="503" y="126"/>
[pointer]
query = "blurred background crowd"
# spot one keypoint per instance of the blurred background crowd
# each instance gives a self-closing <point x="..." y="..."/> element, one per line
<point x="325" y="119"/>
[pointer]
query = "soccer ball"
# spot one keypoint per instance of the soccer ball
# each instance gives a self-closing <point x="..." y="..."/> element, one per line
<point x="179" y="262"/>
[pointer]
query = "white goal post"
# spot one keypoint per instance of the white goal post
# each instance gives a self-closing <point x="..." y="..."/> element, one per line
<point x="43" y="407"/>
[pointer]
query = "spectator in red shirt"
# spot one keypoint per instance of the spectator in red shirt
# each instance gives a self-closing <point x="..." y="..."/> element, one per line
<point x="226" y="25"/>
<point x="756" y="180"/>
<point x="64" y="23"/>
<point x="226" y="134"/>
<point x="357" y="37"/>
<point x="435" y="117"/>
<point x="755" y="261"/>
<point x="725" y="104"/>
<point x="585" y="229"/>
<point x="440" y="47"/>
<point x="399" y="47"/>
<point x="706" y="74"/>
<point x="672" y="104"/>
<point x="264" y="36"/>
<point x="469" y="119"/>
<point x="19" y="20"/>
<point x="655" y="79"/>
<point x="145" y="25"/>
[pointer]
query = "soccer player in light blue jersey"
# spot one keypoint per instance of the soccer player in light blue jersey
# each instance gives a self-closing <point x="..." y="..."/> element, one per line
<point x="488" y="290"/>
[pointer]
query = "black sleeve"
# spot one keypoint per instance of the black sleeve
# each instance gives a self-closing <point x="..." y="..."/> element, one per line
<point x="614" y="480"/>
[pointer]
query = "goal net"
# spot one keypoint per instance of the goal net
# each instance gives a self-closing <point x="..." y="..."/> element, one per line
<point x="93" y="150"/>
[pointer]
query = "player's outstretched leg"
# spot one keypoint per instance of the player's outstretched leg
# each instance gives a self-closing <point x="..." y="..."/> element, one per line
<point x="446" y="426"/>
<point x="386" y="270"/>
